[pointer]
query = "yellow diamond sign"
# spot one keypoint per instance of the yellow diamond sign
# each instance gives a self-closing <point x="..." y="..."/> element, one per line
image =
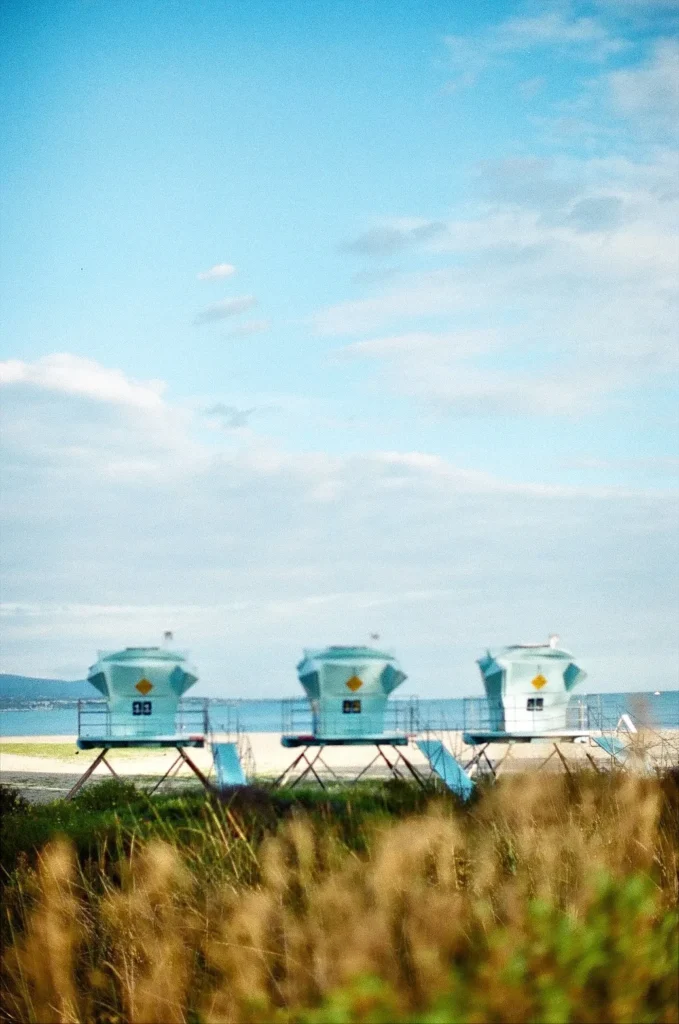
<point x="144" y="686"/>
<point x="539" y="682"/>
<point x="354" y="684"/>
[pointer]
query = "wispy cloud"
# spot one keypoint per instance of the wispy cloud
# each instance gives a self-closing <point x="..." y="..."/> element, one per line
<point x="216" y="273"/>
<point x="588" y="39"/>
<point x="229" y="416"/>
<point x="569" y="275"/>
<point x="652" y="464"/>
<point x="224" y="309"/>
<point x="557" y="28"/>
<point x="391" y="236"/>
<point x="421" y="343"/>
<point x="248" y="328"/>
<point x="650" y="90"/>
<point x="410" y="296"/>
<point x="531" y="87"/>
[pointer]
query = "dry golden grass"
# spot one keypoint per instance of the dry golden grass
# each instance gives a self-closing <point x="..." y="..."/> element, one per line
<point x="552" y="899"/>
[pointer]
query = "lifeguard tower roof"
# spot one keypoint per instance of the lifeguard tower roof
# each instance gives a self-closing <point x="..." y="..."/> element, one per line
<point x="348" y="688"/>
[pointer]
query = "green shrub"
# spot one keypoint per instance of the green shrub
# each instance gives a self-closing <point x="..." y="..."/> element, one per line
<point x="549" y="899"/>
<point x="11" y="801"/>
<point x="108" y="795"/>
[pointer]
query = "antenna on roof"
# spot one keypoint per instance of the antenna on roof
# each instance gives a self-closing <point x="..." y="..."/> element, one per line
<point x="168" y="637"/>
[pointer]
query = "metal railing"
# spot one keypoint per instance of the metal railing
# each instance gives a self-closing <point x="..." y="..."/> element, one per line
<point x="97" y="721"/>
<point x="400" y="716"/>
<point x="586" y="711"/>
<point x="526" y="713"/>
<point x="296" y="717"/>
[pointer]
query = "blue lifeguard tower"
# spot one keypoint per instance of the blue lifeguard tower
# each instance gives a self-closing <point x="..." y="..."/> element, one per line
<point x="141" y="687"/>
<point x="347" y="689"/>
<point x="528" y="688"/>
<point x="529" y="700"/>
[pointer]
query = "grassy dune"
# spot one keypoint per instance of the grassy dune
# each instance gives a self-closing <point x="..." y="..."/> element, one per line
<point x="549" y="899"/>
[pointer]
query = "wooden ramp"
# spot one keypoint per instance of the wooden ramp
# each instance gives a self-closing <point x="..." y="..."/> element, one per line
<point x="613" y="746"/>
<point x="451" y="773"/>
<point x="228" y="768"/>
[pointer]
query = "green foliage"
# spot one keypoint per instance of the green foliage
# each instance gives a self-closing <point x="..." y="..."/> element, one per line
<point x="89" y="821"/>
<point x="11" y="801"/>
<point x="110" y="812"/>
<point x="548" y="899"/>
<point x="108" y="795"/>
<point x="619" y="963"/>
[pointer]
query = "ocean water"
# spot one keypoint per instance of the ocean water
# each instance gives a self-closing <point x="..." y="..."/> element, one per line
<point x="60" y="718"/>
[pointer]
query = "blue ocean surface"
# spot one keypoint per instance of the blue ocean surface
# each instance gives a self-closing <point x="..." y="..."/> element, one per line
<point x="60" y="718"/>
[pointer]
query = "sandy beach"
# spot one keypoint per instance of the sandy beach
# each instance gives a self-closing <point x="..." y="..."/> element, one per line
<point x="262" y="754"/>
<point x="46" y="767"/>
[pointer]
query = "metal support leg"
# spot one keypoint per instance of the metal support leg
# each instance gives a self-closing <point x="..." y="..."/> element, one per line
<point x="549" y="758"/>
<point x="194" y="768"/>
<point x="290" y="768"/>
<point x="327" y="767"/>
<point x="368" y="767"/>
<point x="477" y="757"/>
<point x="309" y="768"/>
<point x="413" y="771"/>
<point x="110" y="768"/>
<point x="563" y="762"/>
<point x="489" y="763"/>
<point x="394" y="771"/>
<point x="83" y="778"/>
<point x="177" y="761"/>
<point x="476" y="760"/>
<point x="498" y="765"/>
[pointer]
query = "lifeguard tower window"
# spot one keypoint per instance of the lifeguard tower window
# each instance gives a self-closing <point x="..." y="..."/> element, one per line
<point x="535" y="704"/>
<point x="141" y="707"/>
<point x="351" y="707"/>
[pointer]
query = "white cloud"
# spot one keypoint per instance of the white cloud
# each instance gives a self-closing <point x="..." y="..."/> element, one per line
<point x="218" y="272"/>
<point x="569" y="274"/>
<point x="249" y="551"/>
<point x="224" y="309"/>
<point x="75" y="375"/>
<point x="409" y="297"/>
<point x="653" y="7"/>
<point x="532" y="87"/>
<point x="585" y="38"/>
<point x="248" y="328"/>
<point x="555" y="28"/>
<point x="418" y="343"/>
<point x="652" y="464"/>
<point x="652" y="89"/>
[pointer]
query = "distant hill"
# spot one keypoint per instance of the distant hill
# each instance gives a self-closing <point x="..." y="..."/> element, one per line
<point x="14" y="688"/>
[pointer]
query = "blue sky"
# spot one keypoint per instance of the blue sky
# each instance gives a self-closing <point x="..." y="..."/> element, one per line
<point x="325" y="319"/>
